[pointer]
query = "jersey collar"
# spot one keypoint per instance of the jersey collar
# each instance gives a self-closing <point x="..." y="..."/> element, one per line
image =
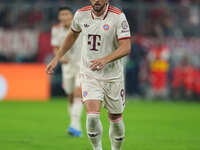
<point x="103" y="16"/>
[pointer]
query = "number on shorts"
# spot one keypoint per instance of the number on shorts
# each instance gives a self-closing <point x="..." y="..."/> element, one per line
<point x="122" y="93"/>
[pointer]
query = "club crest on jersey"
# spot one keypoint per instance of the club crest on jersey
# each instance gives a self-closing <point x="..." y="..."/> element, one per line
<point x="85" y="93"/>
<point x="106" y="27"/>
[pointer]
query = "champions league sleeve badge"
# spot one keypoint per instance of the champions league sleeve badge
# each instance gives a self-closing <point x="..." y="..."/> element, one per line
<point x="124" y="24"/>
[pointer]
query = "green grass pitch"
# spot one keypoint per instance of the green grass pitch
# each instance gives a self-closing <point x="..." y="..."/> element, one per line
<point x="149" y="126"/>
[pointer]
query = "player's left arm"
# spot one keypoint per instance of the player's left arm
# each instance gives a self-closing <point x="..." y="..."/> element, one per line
<point x="123" y="50"/>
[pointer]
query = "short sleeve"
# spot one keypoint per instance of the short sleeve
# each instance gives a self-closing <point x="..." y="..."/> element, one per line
<point x="54" y="37"/>
<point x="75" y="23"/>
<point x="123" y="30"/>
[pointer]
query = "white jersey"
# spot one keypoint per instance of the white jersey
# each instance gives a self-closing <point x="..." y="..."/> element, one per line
<point x="58" y="35"/>
<point x="101" y="37"/>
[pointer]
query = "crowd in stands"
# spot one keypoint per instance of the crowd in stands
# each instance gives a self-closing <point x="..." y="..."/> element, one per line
<point x="159" y="70"/>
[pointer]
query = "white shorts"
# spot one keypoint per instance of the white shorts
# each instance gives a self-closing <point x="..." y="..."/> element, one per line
<point x="111" y="93"/>
<point x="70" y="78"/>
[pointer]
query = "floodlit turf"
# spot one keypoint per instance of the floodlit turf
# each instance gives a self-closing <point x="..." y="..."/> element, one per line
<point x="149" y="126"/>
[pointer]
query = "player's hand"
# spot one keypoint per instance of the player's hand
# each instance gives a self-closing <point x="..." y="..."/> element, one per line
<point x="50" y="67"/>
<point x="64" y="60"/>
<point x="98" y="64"/>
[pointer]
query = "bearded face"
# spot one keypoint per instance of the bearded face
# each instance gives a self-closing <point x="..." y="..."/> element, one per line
<point x="98" y="5"/>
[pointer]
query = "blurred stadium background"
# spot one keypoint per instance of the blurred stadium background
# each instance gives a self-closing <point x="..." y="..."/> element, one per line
<point x="164" y="65"/>
<point x="157" y="25"/>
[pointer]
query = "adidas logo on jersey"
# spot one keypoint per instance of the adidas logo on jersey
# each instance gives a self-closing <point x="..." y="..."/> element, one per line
<point x="86" y="25"/>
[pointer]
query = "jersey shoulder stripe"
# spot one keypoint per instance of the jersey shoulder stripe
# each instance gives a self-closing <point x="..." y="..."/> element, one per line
<point x="86" y="8"/>
<point x="119" y="13"/>
<point x="115" y="10"/>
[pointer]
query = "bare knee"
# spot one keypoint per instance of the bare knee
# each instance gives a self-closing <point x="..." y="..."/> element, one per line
<point x="92" y="106"/>
<point x="114" y="117"/>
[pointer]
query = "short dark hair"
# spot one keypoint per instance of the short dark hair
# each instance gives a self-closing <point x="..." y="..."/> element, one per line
<point x="65" y="8"/>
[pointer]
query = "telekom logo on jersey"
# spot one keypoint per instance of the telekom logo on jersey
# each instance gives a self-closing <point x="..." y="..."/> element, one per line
<point x="94" y="40"/>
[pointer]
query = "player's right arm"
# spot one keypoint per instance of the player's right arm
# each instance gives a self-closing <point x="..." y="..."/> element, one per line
<point x="55" y="49"/>
<point x="67" y="44"/>
<point x="63" y="59"/>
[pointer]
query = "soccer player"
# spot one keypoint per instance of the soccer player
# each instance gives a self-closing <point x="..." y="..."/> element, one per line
<point x="106" y="39"/>
<point x="70" y="68"/>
